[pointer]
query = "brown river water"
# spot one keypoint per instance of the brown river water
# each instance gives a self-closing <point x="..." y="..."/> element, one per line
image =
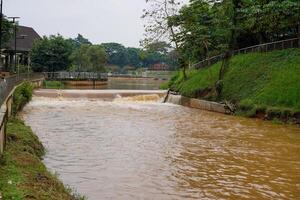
<point x="130" y="149"/>
<point x="119" y="83"/>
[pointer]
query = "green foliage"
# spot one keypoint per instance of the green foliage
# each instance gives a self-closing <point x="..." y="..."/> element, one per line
<point x="79" y="40"/>
<point x="267" y="19"/>
<point x="7" y="28"/>
<point x="117" y="54"/>
<point x="134" y="57"/>
<point x="213" y="27"/>
<point x="97" y="57"/>
<point x="156" y="52"/>
<point x="202" y="30"/>
<point x="51" y="54"/>
<point x="21" y="97"/>
<point x="55" y="53"/>
<point x="88" y="58"/>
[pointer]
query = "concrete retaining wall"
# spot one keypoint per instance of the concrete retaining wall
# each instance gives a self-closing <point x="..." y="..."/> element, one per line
<point x="198" y="104"/>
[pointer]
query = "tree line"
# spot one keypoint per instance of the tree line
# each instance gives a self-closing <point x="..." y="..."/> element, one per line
<point x="204" y="28"/>
<point x="56" y="53"/>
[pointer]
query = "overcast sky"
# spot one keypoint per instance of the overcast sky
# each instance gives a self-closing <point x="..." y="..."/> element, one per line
<point x="98" y="20"/>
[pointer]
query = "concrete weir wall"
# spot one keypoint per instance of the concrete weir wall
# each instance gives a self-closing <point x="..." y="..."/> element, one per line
<point x="6" y="112"/>
<point x="96" y="94"/>
<point x="198" y="104"/>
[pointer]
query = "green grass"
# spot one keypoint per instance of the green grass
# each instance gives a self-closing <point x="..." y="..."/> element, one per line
<point x="54" y="85"/>
<point x="255" y="81"/>
<point x="199" y="80"/>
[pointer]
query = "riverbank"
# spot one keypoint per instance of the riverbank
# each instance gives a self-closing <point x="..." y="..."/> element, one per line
<point x="22" y="172"/>
<point x="263" y="85"/>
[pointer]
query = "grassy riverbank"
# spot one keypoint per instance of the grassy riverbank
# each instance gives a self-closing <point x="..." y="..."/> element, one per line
<point x="22" y="173"/>
<point x="259" y="84"/>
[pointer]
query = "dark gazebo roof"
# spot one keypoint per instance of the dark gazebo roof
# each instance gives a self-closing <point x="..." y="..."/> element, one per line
<point x="23" y="44"/>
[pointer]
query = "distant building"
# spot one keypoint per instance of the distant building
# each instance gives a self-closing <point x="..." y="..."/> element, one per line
<point x="25" y="39"/>
<point x="159" y="67"/>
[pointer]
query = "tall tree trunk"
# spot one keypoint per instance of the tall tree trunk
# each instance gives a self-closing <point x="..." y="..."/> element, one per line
<point x="181" y="59"/>
<point x="225" y="65"/>
<point x="231" y="46"/>
<point x="260" y="38"/>
<point x="173" y="35"/>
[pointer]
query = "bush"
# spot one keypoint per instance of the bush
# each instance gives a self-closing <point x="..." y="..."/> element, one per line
<point x="21" y="97"/>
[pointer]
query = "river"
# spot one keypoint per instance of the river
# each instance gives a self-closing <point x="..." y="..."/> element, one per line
<point x="118" y="83"/>
<point x="129" y="149"/>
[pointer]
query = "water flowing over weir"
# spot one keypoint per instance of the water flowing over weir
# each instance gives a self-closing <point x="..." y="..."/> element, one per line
<point x="139" y="148"/>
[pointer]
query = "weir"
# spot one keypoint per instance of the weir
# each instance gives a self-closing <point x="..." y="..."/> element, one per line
<point x="96" y="94"/>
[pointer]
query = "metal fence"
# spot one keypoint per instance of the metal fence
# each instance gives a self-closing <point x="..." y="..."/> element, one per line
<point x="267" y="47"/>
<point x="7" y="84"/>
<point x="75" y="76"/>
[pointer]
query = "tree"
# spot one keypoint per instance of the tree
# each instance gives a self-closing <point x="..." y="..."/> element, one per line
<point x="231" y="9"/>
<point x="7" y="33"/>
<point x="172" y="60"/>
<point x="51" y="54"/>
<point x="80" y="40"/>
<point x="117" y="54"/>
<point x="97" y="57"/>
<point x="134" y="57"/>
<point x="159" y="26"/>
<point x="152" y="57"/>
<point x="89" y="58"/>
<point x="80" y="59"/>
<point x="196" y="30"/>
<point x="7" y="28"/>
<point x="161" y="47"/>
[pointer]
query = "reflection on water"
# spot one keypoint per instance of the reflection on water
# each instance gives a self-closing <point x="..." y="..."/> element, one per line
<point x="119" y="83"/>
<point x="134" y="83"/>
<point x="148" y="150"/>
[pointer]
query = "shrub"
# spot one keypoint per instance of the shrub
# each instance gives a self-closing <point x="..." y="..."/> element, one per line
<point x="21" y="97"/>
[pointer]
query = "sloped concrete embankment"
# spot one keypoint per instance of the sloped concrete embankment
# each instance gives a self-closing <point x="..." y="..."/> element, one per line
<point x="198" y="104"/>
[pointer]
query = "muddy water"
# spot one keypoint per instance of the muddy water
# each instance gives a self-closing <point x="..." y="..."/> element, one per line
<point x="146" y="150"/>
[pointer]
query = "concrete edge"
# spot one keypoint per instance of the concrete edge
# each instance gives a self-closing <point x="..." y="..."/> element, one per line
<point x="198" y="104"/>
